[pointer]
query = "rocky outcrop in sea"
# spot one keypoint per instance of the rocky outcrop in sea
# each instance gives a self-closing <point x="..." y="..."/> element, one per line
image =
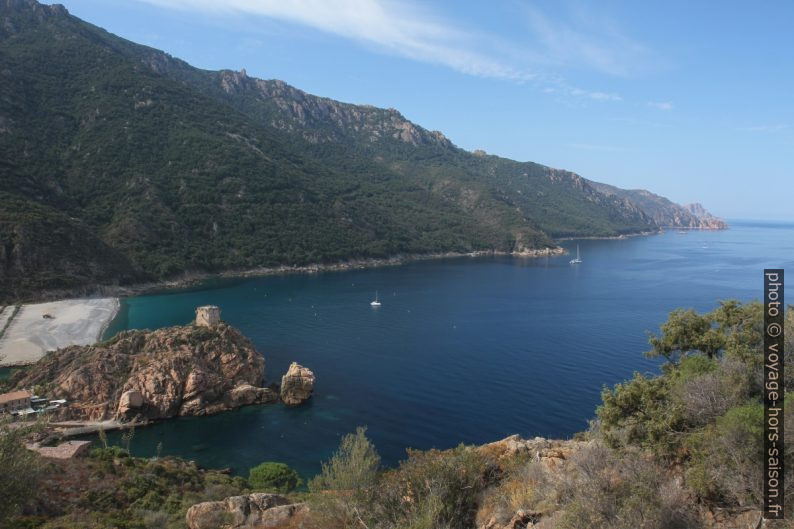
<point x="149" y="375"/>
<point x="297" y="385"/>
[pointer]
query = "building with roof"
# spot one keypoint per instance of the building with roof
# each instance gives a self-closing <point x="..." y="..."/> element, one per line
<point x="15" y="401"/>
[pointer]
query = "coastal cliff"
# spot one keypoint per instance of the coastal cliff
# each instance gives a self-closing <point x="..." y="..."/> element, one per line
<point x="707" y="220"/>
<point x="663" y="212"/>
<point x="150" y="375"/>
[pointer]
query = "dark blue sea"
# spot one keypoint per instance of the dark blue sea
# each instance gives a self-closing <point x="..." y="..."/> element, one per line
<point x="465" y="350"/>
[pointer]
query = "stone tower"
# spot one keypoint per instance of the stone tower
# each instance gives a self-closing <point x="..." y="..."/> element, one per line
<point x="208" y="316"/>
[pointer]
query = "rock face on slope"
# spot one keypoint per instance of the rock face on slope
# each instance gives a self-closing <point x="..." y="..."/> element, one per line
<point x="254" y="511"/>
<point x="320" y="119"/>
<point x="663" y="212"/>
<point x="707" y="220"/>
<point x="297" y="385"/>
<point x="143" y="375"/>
<point x="556" y="463"/>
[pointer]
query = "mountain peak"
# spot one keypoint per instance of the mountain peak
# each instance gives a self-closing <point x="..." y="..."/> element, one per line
<point x="16" y="15"/>
<point x="32" y="6"/>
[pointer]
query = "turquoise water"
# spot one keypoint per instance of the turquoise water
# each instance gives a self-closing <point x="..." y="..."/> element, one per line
<point x="462" y="350"/>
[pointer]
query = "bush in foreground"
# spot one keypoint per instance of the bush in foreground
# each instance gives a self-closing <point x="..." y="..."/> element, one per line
<point x="274" y="477"/>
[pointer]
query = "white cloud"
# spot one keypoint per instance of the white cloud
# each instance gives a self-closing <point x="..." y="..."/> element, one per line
<point x="595" y="147"/>
<point x="587" y="40"/>
<point x="765" y="128"/>
<point x="602" y="96"/>
<point x="638" y="122"/>
<point x="562" y="87"/>
<point x="661" y="105"/>
<point x="404" y="29"/>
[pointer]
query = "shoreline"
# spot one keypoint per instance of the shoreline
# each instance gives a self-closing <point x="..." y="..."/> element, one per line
<point x="116" y="292"/>
<point x="39" y="328"/>
<point x="66" y="429"/>
<point x="613" y="237"/>
<point x="190" y="279"/>
<point x="662" y="229"/>
<point x="194" y="279"/>
<point x="109" y="321"/>
<point x="363" y="263"/>
<point x="30" y="340"/>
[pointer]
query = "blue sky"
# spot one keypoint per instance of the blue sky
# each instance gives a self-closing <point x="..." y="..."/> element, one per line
<point x="692" y="100"/>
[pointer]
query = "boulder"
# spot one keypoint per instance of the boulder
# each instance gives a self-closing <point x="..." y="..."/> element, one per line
<point x="129" y="402"/>
<point x="297" y="385"/>
<point x="254" y="511"/>
<point x="248" y="394"/>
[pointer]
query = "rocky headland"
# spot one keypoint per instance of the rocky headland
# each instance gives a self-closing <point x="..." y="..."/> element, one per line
<point x="141" y="376"/>
<point x="663" y="212"/>
<point x="706" y="219"/>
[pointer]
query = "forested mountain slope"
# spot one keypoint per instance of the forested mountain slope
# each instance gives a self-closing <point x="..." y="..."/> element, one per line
<point x="120" y="164"/>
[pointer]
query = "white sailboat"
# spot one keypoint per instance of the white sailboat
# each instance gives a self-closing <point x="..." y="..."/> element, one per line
<point x="577" y="260"/>
<point x="376" y="303"/>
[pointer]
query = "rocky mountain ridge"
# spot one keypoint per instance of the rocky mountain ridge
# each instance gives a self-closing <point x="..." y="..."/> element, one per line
<point x="156" y="170"/>
<point x="322" y="120"/>
<point x="310" y="115"/>
<point x="663" y="212"/>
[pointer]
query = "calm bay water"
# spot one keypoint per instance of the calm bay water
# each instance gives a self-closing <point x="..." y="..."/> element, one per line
<point x="463" y="350"/>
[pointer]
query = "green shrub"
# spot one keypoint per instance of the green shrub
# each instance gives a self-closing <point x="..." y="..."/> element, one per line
<point x="274" y="477"/>
<point x="20" y="469"/>
<point x="353" y="467"/>
<point x="340" y="493"/>
<point x="640" y="412"/>
<point x="685" y="331"/>
<point x="692" y="366"/>
<point x="724" y="466"/>
<point x="433" y="489"/>
<point x="108" y="453"/>
<point x="622" y="490"/>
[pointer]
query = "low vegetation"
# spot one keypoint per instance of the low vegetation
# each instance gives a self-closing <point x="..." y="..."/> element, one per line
<point x="680" y="450"/>
<point x="274" y="477"/>
<point x="705" y="413"/>
<point x="108" y="488"/>
<point x="20" y="469"/>
<point x="675" y="451"/>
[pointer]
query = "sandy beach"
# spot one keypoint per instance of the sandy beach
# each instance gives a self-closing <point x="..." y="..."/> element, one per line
<point x="42" y="327"/>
